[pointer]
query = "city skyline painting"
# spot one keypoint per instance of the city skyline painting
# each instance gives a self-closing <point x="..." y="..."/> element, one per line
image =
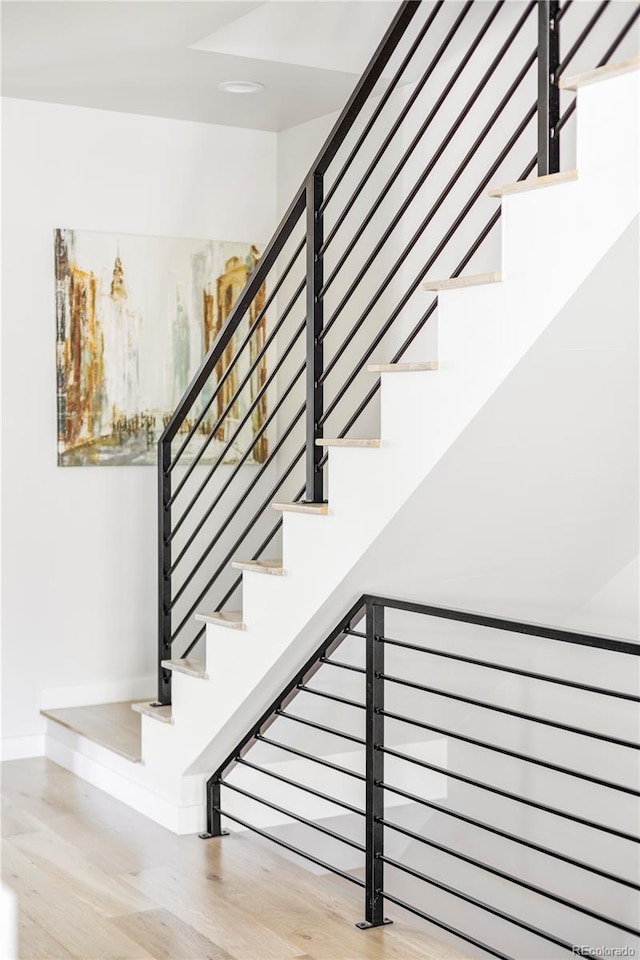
<point x="135" y="315"/>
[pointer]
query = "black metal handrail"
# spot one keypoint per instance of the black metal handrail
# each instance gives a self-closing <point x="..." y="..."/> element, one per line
<point x="372" y="816"/>
<point x="215" y="486"/>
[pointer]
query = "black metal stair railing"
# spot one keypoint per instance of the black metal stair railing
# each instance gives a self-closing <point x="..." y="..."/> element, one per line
<point x="458" y="97"/>
<point x="562" y="821"/>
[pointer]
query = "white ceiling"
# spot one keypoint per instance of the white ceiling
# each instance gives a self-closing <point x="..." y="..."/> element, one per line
<point x="166" y="57"/>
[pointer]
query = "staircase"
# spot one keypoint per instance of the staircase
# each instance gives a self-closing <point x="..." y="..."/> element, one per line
<point x="343" y="423"/>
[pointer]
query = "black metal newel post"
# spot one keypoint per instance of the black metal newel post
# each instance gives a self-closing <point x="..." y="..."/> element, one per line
<point x="164" y="565"/>
<point x="214" y="819"/>
<point x="315" y="238"/>
<point x="374" y="808"/>
<point x="548" y="90"/>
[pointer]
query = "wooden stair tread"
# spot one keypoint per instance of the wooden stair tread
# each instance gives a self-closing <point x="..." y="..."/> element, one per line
<point x="163" y="714"/>
<point x="347" y="442"/>
<point x="192" y="668"/>
<point x="111" y="725"/>
<point x="299" y="506"/>
<point x="402" y="367"/>
<point x="454" y="283"/>
<point x="605" y="72"/>
<point x="223" y="618"/>
<point x="273" y="567"/>
<point x="524" y="186"/>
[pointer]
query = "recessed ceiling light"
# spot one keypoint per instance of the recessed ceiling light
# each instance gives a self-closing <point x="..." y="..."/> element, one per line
<point x="241" y="86"/>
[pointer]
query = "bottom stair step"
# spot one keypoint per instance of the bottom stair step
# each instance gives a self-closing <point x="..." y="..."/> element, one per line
<point x="163" y="714"/>
<point x="192" y="668"/>
<point x="110" y="725"/>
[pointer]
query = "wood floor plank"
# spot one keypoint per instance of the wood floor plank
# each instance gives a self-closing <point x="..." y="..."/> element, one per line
<point x="63" y="861"/>
<point x="196" y="898"/>
<point x="167" y="937"/>
<point x="14" y="821"/>
<point x="71" y="922"/>
<point x="34" y="943"/>
<point x="98" y="881"/>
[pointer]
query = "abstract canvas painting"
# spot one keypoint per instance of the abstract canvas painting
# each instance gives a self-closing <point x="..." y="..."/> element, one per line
<point x="134" y="316"/>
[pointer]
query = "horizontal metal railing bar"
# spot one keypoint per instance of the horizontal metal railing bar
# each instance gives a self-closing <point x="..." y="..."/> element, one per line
<point x="301" y="786"/>
<point x="356" y="633"/>
<point x="242" y="304"/>
<point x="257" y="478"/>
<point x="430" y="262"/>
<point x="518" y="714"/>
<point x="414" y="143"/>
<point x="433" y="63"/>
<point x="514" y="754"/>
<point x="444" y="926"/>
<point x="295" y="816"/>
<point x="564" y="7"/>
<point x="582" y="36"/>
<point x="256" y="437"/>
<point x="331" y="696"/>
<point x="517" y="671"/>
<point x="512" y="626"/>
<point x="379" y="108"/>
<point x="387" y="326"/>
<point x="290" y="847"/>
<point x="481" y="904"/>
<point x="618" y="40"/>
<point x="201" y="632"/>
<point x="320" y="726"/>
<point x="234" y="586"/>
<point x="522" y="841"/>
<point x="221" y="604"/>
<point x="280" y="481"/>
<point x="342" y="666"/>
<point x="281" y="399"/>
<point x="421" y="322"/>
<point x="518" y="881"/>
<point x="245" y="381"/>
<point x="341" y="128"/>
<point x="462" y="166"/>
<point x="365" y="87"/>
<point x="417" y="327"/>
<point x="241" y="347"/>
<point x="491" y="788"/>
<point x="337" y="634"/>
<point x="308" y="756"/>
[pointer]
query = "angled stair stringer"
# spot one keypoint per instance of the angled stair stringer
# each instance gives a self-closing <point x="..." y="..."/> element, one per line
<point x="550" y="246"/>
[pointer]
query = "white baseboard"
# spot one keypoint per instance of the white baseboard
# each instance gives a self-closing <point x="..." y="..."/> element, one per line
<point x="120" y="778"/>
<point x="21" y="748"/>
<point x="85" y="695"/>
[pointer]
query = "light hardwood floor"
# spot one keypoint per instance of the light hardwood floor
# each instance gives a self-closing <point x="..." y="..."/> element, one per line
<point x="97" y="881"/>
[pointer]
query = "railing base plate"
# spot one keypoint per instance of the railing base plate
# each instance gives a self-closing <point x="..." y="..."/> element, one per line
<point x="365" y="925"/>
<point x="212" y="836"/>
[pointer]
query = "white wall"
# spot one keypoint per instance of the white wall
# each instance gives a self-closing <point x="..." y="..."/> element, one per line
<point x="79" y="544"/>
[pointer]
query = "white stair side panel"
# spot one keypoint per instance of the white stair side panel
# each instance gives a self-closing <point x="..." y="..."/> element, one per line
<point x="482" y="334"/>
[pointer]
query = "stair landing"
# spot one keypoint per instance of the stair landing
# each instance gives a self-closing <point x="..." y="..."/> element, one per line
<point x="111" y="725"/>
